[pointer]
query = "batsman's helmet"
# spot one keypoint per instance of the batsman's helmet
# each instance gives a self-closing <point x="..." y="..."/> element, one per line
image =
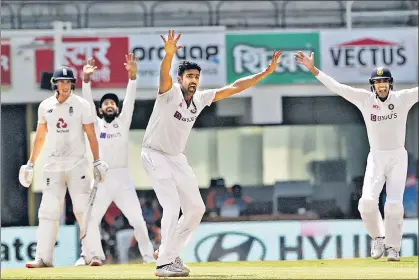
<point x="111" y="96"/>
<point x="63" y="73"/>
<point x="381" y="73"/>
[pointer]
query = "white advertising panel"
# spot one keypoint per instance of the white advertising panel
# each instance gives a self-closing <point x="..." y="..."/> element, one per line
<point x="351" y="56"/>
<point x="206" y="48"/>
<point x="18" y="246"/>
<point x="288" y="240"/>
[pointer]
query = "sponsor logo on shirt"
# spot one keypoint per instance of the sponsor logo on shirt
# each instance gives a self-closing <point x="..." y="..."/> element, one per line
<point x="376" y="118"/>
<point x="179" y="116"/>
<point x="105" y="135"/>
<point x="375" y="106"/>
<point x="62" y="125"/>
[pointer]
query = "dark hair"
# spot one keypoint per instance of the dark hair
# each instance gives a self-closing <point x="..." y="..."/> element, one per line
<point x="187" y="65"/>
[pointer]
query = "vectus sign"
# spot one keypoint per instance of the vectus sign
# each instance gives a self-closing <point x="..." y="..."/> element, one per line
<point x="368" y="51"/>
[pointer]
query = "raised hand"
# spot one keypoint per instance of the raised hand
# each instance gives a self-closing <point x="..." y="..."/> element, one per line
<point x="304" y="60"/>
<point x="89" y="67"/>
<point x="131" y="64"/>
<point x="170" y="44"/>
<point x="274" y="62"/>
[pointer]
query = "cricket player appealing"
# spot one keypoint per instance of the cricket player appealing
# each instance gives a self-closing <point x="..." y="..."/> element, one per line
<point x="385" y="114"/>
<point x="112" y="131"/>
<point x="62" y="120"/>
<point x="176" y="108"/>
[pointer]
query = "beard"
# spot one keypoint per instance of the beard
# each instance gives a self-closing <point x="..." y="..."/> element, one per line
<point x="109" y="117"/>
<point x="188" y="91"/>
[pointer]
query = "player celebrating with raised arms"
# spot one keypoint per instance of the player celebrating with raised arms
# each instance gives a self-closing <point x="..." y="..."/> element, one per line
<point x="112" y="131"/>
<point x="176" y="108"/>
<point x="385" y="115"/>
<point x="62" y="120"/>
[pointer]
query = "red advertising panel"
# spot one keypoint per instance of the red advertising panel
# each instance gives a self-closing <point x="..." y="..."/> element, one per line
<point x="109" y="54"/>
<point x="5" y="63"/>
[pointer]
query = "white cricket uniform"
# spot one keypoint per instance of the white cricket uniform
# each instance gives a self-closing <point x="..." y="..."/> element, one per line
<point x="66" y="166"/>
<point x="387" y="160"/>
<point x="118" y="187"/>
<point x="170" y="175"/>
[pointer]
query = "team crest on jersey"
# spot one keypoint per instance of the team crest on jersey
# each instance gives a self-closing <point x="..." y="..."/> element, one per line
<point x="49" y="111"/>
<point x="194" y="109"/>
<point x="115" y="125"/>
<point x="70" y="110"/>
<point x="390" y="106"/>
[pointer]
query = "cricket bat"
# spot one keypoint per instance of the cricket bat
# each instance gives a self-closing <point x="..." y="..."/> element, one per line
<point x="87" y="214"/>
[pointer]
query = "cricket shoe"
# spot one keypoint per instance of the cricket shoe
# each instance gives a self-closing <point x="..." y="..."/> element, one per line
<point x="178" y="261"/>
<point x="377" y="250"/>
<point x="37" y="263"/>
<point x="95" y="262"/>
<point x="81" y="262"/>
<point x="171" y="270"/>
<point x="392" y="255"/>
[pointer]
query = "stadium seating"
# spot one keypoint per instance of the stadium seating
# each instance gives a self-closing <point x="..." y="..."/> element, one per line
<point x="233" y="14"/>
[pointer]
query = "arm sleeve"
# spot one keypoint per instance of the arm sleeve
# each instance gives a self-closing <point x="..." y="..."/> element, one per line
<point x="409" y="96"/>
<point x="87" y="114"/>
<point x="206" y="97"/>
<point x="353" y="95"/>
<point x="87" y="94"/>
<point x="41" y="113"/>
<point x="129" y="102"/>
<point x="167" y="96"/>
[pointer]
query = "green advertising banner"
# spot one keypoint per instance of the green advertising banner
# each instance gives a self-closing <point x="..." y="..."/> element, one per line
<point x="248" y="54"/>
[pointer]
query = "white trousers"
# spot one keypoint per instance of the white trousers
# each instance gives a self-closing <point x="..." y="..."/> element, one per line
<point x="119" y="188"/>
<point x="58" y="174"/>
<point x="388" y="167"/>
<point x="176" y="188"/>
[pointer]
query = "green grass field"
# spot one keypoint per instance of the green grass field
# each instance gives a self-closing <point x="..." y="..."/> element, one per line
<point x="407" y="268"/>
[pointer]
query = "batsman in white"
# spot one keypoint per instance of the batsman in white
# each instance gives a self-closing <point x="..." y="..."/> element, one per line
<point x="385" y="115"/>
<point x="112" y="129"/>
<point x="176" y="108"/>
<point x="62" y="120"/>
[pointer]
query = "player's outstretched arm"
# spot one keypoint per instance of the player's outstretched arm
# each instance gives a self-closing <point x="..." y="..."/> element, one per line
<point x="409" y="96"/>
<point x="129" y="100"/>
<point x="89" y="69"/>
<point x="170" y="49"/>
<point x="249" y="81"/>
<point x="351" y="94"/>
